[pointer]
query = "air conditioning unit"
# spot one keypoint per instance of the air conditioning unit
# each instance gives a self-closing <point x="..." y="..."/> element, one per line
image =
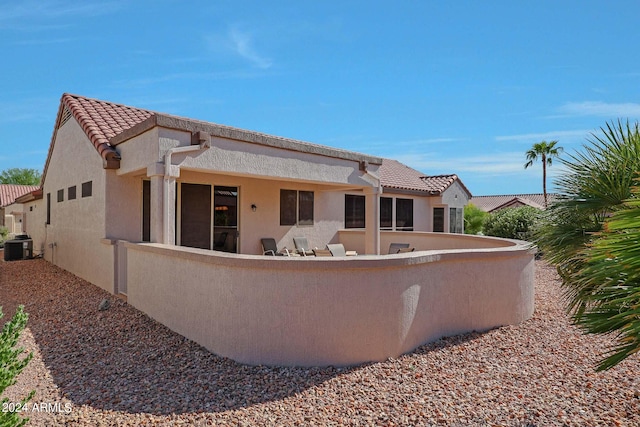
<point x="17" y="249"/>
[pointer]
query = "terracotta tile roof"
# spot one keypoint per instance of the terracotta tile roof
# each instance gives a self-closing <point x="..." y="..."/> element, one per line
<point x="491" y="203"/>
<point x="10" y="192"/>
<point x="102" y="120"/>
<point x="396" y="175"/>
<point x="107" y="124"/>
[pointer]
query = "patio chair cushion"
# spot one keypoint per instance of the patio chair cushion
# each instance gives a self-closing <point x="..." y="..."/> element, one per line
<point x="337" y="249"/>
<point x="269" y="247"/>
<point x="302" y="246"/>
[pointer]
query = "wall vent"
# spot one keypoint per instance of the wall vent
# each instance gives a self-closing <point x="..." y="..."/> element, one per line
<point x="66" y="114"/>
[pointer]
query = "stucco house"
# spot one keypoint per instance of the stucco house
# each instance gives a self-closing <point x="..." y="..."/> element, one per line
<point x="170" y="211"/>
<point x="12" y="215"/>
<point x="115" y="172"/>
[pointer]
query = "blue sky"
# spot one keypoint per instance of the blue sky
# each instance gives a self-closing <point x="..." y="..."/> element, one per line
<point x="461" y="87"/>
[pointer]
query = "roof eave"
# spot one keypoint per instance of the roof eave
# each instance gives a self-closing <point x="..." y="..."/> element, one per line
<point x="216" y="130"/>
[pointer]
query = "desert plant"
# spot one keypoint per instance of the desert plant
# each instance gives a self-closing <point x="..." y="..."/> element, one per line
<point x="473" y="219"/>
<point x="512" y="223"/>
<point x="594" y="187"/>
<point x="11" y="365"/>
<point x="612" y="272"/>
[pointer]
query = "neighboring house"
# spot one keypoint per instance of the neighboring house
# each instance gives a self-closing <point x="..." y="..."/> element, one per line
<point x="437" y="201"/>
<point x="494" y="203"/>
<point x="115" y="172"/>
<point x="12" y="215"/>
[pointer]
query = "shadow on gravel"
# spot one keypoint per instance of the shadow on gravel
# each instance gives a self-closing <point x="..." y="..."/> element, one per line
<point x="120" y="359"/>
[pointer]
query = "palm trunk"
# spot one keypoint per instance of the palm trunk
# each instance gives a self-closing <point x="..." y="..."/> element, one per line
<point x="544" y="179"/>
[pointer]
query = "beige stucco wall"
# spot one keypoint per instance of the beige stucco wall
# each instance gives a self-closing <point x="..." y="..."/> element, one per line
<point x="328" y="311"/>
<point x="35" y="217"/>
<point x="72" y="239"/>
<point x="123" y="215"/>
<point x="455" y="196"/>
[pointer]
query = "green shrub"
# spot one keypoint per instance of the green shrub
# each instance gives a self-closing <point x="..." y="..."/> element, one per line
<point x="513" y="223"/>
<point x="591" y="235"/>
<point x="473" y="219"/>
<point x="4" y="232"/>
<point x="11" y="365"/>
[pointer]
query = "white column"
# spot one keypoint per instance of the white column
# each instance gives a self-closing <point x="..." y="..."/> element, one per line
<point x="155" y="171"/>
<point x="372" y="221"/>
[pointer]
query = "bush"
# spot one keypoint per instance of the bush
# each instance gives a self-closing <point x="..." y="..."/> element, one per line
<point x="4" y="232"/>
<point x="473" y="219"/>
<point x="11" y="365"/>
<point x="513" y="223"/>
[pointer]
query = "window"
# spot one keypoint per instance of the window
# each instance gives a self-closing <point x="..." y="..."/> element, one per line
<point x="354" y="211"/>
<point x="48" y="208"/>
<point x="455" y="220"/>
<point x="404" y="214"/>
<point x="438" y="220"/>
<point x="71" y="193"/>
<point x="296" y="207"/>
<point x="60" y="196"/>
<point x="386" y="212"/>
<point x="288" y="204"/>
<point x="86" y="189"/>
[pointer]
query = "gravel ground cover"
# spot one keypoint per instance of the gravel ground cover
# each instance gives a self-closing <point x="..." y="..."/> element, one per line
<point x="119" y="367"/>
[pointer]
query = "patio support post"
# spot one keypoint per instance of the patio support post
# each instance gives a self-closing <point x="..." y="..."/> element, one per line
<point x="372" y="221"/>
<point x="155" y="172"/>
<point x="172" y="172"/>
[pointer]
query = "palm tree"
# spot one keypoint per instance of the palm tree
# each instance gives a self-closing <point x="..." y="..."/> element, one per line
<point x="546" y="151"/>
<point x="591" y="235"/>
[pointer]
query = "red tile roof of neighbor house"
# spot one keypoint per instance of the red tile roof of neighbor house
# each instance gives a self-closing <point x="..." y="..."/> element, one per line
<point x="492" y="203"/>
<point x="396" y="175"/>
<point x="10" y="192"/>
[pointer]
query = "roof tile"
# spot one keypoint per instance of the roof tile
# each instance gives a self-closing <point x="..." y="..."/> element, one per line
<point x="394" y="174"/>
<point x="490" y="203"/>
<point x="10" y="192"/>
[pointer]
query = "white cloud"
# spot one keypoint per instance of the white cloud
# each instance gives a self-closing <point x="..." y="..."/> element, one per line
<point x="546" y="136"/>
<point x="238" y="43"/>
<point x="37" y="14"/>
<point x="484" y="164"/>
<point x="600" y="109"/>
<point x="243" y="46"/>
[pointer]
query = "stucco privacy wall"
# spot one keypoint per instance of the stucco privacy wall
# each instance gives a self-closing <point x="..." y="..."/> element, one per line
<point x="77" y="226"/>
<point x="328" y="311"/>
<point x="423" y="241"/>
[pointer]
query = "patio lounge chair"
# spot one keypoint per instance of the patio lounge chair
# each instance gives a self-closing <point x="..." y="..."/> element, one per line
<point x="322" y="252"/>
<point x="302" y="246"/>
<point x="337" y="249"/>
<point x="394" y="248"/>
<point x="269" y="247"/>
